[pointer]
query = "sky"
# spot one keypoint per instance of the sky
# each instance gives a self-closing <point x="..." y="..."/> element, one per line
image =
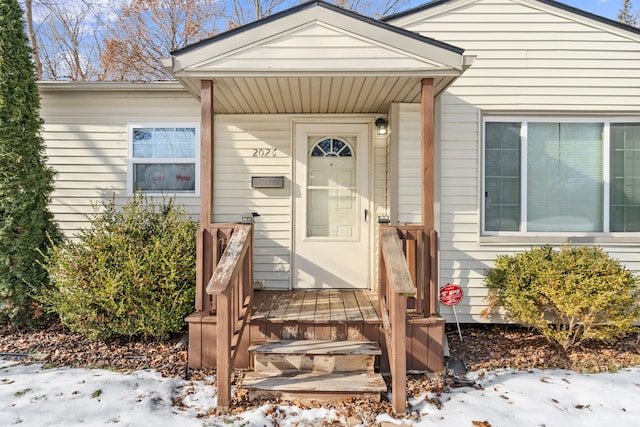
<point x="33" y="396"/>
<point x="607" y="8"/>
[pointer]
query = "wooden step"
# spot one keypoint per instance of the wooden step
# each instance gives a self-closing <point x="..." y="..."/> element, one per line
<point x="317" y="347"/>
<point x="314" y="386"/>
<point x="315" y="356"/>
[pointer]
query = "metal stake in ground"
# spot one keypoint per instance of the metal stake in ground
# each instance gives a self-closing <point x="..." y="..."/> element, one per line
<point x="452" y="295"/>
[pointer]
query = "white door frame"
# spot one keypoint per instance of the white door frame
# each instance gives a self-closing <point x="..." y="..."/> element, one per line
<point x="305" y="250"/>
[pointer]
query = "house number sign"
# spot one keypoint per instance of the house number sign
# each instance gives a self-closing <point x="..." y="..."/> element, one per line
<point x="265" y="152"/>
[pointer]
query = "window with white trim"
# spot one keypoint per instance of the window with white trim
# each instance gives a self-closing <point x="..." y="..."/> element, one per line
<point x="570" y="176"/>
<point x="164" y="158"/>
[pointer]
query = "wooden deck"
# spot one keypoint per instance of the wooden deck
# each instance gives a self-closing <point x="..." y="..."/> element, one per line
<point x="322" y="306"/>
<point x="315" y="315"/>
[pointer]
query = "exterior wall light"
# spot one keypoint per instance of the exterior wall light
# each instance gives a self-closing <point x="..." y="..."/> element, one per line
<point x="384" y="219"/>
<point x="381" y="126"/>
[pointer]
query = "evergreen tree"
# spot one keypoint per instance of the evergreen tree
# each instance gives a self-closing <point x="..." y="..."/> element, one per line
<point x="626" y="15"/>
<point x="25" y="181"/>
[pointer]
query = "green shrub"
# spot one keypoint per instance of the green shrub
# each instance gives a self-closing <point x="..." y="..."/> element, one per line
<point x="132" y="273"/>
<point x="570" y="296"/>
<point x="26" y="183"/>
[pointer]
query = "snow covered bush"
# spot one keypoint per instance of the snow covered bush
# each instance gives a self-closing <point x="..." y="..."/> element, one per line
<point x="570" y="296"/>
<point x="131" y="273"/>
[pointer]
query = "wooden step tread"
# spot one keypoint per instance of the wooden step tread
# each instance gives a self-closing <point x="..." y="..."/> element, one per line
<point x="316" y="382"/>
<point x="318" y="347"/>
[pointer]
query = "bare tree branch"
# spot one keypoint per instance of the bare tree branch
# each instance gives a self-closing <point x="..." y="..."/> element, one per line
<point x="125" y="39"/>
<point x="372" y="8"/>
<point x="64" y="37"/>
<point x="147" y="30"/>
<point x="32" y="38"/>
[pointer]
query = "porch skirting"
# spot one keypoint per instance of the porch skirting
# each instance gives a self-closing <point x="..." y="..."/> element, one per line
<point x="425" y="336"/>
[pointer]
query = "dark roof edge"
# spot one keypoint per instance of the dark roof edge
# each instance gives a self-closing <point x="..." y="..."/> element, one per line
<point x="552" y="3"/>
<point x="329" y="6"/>
<point x="413" y="10"/>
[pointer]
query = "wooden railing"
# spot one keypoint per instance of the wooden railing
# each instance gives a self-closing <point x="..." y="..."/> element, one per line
<point x="232" y="286"/>
<point x="210" y="245"/>
<point x="394" y="287"/>
<point x="421" y="252"/>
<point x="407" y="276"/>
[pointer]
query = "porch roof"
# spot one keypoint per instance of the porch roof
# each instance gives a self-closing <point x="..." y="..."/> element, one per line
<point x="316" y="58"/>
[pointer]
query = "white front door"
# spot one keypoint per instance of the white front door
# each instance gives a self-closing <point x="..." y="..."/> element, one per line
<point x="331" y="233"/>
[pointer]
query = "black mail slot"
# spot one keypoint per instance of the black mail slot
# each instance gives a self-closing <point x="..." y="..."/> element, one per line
<point x="267" y="182"/>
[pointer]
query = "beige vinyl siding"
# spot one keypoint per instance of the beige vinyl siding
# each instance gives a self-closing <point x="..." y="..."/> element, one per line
<point x="236" y="139"/>
<point x="380" y="174"/>
<point x="457" y="186"/>
<point x="533" y="57"/>
<point x="380" y="194"/>
<point x="319" y="46"/>
<point x="407" y="165"/>
<point x="528" y="61"/>
<point x="86" y="142"/>
<point x="405" y="158"/>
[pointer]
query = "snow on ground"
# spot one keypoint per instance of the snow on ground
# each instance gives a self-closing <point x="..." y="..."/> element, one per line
<point x="31" y="395"/>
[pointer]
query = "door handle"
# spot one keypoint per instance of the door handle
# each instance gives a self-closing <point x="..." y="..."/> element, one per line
<point x="366" y="215"/>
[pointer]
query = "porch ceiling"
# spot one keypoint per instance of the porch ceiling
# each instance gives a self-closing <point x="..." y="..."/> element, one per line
<point x="313" y="95"/>
<point x="315" y="58"/>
